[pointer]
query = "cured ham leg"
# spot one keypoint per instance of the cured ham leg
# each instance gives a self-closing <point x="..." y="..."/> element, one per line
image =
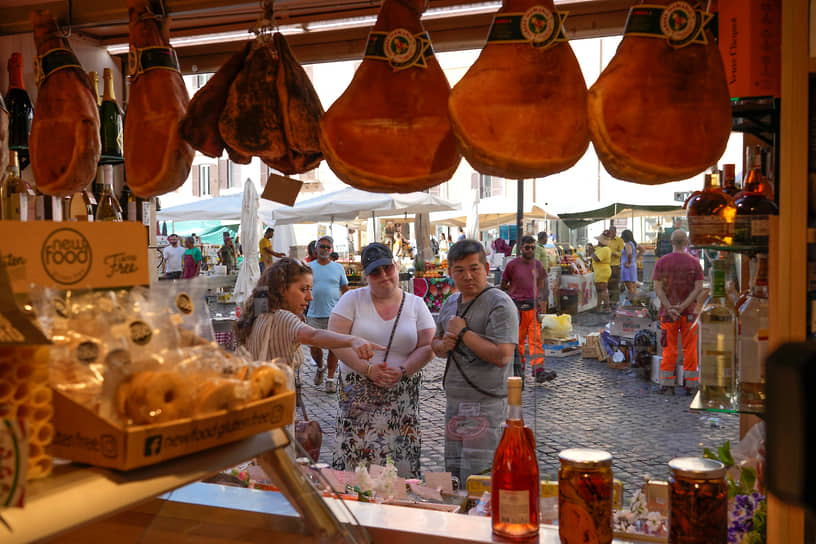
<point x="157" y="159"/>
<point x="520" y="110"/>
<point x="659" y="113"/>
<point x="389" y="131"/>
<point x="199" y="127"/>
<point x="64" y="144"/>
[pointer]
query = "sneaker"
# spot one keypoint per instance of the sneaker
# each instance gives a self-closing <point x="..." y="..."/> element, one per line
<point x="321" y="371"/>
<point x="690" y="391"/>
<point x="545" y="376"/>
<point x="666" y="389"/>
<point x="331" y="385"/>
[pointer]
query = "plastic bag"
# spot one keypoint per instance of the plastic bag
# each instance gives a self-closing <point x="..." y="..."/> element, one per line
<point x="556" y="326"/>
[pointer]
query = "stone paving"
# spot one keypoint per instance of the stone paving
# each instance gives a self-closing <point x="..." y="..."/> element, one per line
<point x="587" y="405"/>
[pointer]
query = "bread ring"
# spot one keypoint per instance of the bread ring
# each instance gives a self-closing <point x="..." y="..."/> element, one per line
<point x="157" y="396"/>
<point x="219" y="395"/>
<point x="267" y="381"/>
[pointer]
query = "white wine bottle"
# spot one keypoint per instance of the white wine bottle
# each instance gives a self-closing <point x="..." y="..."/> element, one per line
<point x="108" y="208"/>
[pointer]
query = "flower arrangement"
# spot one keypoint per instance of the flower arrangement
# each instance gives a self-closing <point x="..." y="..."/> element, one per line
<point x="638" y="519"/>
<point x="748" y="508"/>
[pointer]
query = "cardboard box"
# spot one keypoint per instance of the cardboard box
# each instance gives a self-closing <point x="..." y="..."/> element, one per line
<point x="750" y="44"/>
<point x="628" y="321"/>
<point x="75" y="255"/>
<point x="657" y="496"/>
<point x="83" y="436"/>
<point x="560" y="347"/>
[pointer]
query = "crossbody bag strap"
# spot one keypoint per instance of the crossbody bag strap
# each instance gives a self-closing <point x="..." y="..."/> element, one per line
<point x="456" y="362"/>
<point x="394" y="328"/>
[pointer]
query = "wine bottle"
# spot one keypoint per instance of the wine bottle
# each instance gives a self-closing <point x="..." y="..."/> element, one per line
<point x="18" y="103"/>
<point x="730" y="180"/>
<point x="514" y="484"/>
<point x="718" y="345"/>
<point x="94" y="77"/>
<point x="18" y="198"/>
<point x="753" y="340"/>
<point x="108" y="208"/>
<point x="111" y="119"/>
<point x="711" y="214"/>
<point x="754" y="207"/>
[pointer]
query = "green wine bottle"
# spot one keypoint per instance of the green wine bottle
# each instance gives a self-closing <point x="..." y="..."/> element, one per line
<point x="111" y="118"/>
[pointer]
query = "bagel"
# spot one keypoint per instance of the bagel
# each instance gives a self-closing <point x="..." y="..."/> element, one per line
<point x="267" y="381"/>
<point x="219" y="395"/>
<point x="158" y="396"/>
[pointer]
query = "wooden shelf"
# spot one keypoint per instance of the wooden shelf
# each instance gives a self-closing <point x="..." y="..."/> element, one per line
<point x="76" y="495"/>
<point x="812" y="65"/>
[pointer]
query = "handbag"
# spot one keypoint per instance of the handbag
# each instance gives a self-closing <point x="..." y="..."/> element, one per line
<point x="308" y="432"/>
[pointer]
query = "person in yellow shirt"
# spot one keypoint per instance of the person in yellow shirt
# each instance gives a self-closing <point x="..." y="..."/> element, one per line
<point x="601" y="257"/>
<point x="616" y="245"/>
<point x="266" y="251"/>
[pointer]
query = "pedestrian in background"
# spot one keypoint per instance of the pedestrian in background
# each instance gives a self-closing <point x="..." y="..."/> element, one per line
<point x="601" y="256"/>
<point x="378" y="400"/>
<point x="525" y="280"/>
<point x="191" y="265"/>
<point x="678" y="280"/>
<point x="631" y="251"/>
<point x="266" y="254"/>
<point x="477" y="330"/>
<point x="173" y="258"/>
<point x="329" y="284"/>
<point x="616" y="252"/>
<point x="227" y="253"/>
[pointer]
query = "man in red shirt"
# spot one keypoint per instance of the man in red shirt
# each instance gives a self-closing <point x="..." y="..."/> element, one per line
<point x="525" y="280"/>
<point x="678" y="279"/>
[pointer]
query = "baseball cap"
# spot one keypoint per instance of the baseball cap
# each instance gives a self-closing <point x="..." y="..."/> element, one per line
<point x="374" y="255"/>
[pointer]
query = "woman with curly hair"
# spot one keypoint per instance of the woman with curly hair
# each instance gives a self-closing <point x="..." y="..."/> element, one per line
<point x="271" y="323"/>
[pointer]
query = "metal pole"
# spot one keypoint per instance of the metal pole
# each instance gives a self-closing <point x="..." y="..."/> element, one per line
<point x="519" y="213"/>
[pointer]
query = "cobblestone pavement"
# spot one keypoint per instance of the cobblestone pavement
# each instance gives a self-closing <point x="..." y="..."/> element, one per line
<point x="587" y="405"/>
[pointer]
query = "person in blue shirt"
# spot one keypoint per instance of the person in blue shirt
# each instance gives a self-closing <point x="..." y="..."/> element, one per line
<point x="329" y="283"/>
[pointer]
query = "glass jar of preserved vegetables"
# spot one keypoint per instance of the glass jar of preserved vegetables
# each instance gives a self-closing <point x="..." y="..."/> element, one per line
<point x="585" y="496"/>
<point x="698" y="501"/>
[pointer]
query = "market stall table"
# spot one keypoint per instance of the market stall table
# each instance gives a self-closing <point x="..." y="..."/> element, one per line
<point x="583" y="286"/>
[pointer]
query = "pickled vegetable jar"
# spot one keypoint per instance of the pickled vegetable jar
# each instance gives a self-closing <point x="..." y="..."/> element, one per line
<point x="698" y="501"/>
<point x="585" y="496"/>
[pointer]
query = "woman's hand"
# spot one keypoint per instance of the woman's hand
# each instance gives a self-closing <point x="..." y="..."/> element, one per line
<point x="363" y="348"/>
<point x="384" y="376"/>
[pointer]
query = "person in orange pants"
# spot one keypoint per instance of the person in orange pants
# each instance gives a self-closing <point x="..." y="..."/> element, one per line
<point x="525" y="280"/>
<point x="678" y="279"/>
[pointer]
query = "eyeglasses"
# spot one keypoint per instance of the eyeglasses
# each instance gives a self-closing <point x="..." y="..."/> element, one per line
<point x="324" y="246"/>
<point x="388" y="268"/>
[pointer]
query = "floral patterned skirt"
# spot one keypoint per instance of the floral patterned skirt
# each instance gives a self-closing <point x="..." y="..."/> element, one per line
<point x="374" y="423"/>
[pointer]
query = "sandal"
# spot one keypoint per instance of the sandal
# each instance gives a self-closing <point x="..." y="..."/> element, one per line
<point x="321" y="371"/>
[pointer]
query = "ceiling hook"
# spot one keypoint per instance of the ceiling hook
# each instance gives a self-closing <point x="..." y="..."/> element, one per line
<point x="67" y="34"/>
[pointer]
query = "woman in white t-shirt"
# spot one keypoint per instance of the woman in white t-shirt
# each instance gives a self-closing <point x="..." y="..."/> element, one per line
<point x="271" y="323"/>
<point x="378" y="399"/>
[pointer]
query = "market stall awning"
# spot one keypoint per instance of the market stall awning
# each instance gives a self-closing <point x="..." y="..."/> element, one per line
<point x="221" y="208"/>
<point x="619" y="211"/>
<point x="493" y="212"/>
<point x="349" y="204"/>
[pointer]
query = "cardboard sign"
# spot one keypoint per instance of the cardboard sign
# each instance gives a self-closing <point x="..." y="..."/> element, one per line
<point x="74" y="255"/>
<point x="281" y="189"/>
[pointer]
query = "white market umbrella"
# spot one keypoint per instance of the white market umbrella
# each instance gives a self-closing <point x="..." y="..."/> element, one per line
<point x="250" y="271"/>
<point x="220" y="208"/>
<point x="472" y="223"/>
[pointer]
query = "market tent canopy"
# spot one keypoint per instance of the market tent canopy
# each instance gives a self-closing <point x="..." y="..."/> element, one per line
<point x="619" y="211"/>
<point x="220" y="208"/>
<point x="494" y="211"/>
<point x="349" y="204"/>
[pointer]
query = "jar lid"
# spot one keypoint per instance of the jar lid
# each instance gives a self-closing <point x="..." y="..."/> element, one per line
<point x="586" y="458"/>
<point x="697" y="467"/>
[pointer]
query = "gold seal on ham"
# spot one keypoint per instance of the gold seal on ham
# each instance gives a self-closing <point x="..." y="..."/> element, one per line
<point x="520" y="110"/>
<point x="64" y="144"/>
<point x="389" y="131"/>
<point x="157" y="159"/>
<point x="661" y="110"/>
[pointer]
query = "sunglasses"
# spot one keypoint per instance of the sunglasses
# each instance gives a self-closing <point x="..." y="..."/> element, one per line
<point x="324" y="246"/>
<point x="388" y="268"/>
<point x="527" y="247"/>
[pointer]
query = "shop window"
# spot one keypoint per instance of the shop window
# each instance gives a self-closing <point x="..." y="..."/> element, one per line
<point x="204" y="180"/>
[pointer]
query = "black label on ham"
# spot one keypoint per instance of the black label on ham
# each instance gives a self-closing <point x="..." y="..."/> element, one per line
<point x="54" y="60"/>
<point x="537" y="26"/>
<point x="678" y="25"/>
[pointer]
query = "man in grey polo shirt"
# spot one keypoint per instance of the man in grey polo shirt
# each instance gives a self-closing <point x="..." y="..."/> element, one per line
<point x="477" y="331"/>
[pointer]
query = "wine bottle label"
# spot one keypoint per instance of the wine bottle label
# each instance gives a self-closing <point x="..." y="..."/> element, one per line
<point x="709" y="227"/>
<point x="678" y="23"/>
<point x="538" y="26"/>
<point x="151" y="58"/>
<point x="760" y="226"/>
<point x="514" y="506"/>
<point x="399" y="48"/>
<point x="56" y="59"/>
